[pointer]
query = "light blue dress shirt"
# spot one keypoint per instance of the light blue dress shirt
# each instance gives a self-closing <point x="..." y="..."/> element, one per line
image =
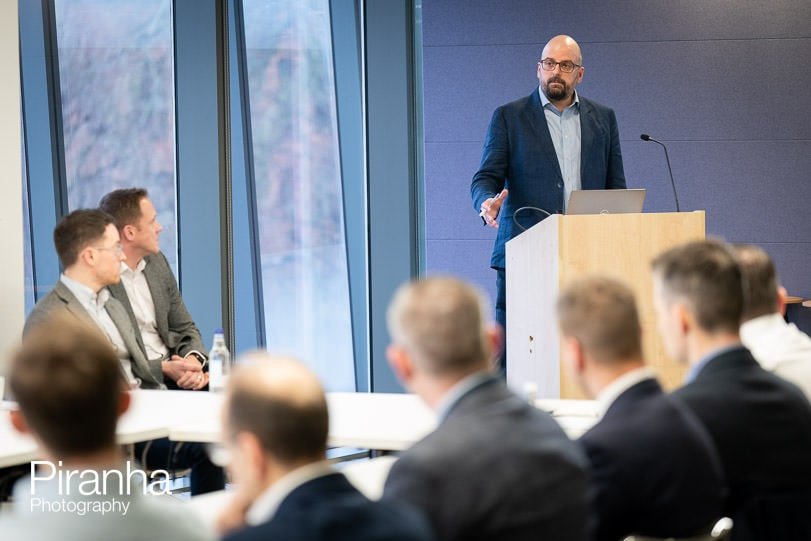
<point x="564" y="127"/>
<point x="694" y="370"/>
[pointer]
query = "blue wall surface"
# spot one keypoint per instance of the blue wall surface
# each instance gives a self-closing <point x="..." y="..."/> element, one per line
<point x="725" y="84"/>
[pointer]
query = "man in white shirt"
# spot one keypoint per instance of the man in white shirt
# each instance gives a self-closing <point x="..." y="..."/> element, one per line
<point x="66" y="380"/>
<point x="148" y="291"/>
<point x="275" y="427"/>
<point x="654" y="469"/>
<point x="777" y="345"/>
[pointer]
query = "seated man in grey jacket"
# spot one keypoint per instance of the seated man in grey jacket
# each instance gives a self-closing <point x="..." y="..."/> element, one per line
<point x="496" y="467"/>
<point x="149" y="293"/>
<point x="89" y="249"/>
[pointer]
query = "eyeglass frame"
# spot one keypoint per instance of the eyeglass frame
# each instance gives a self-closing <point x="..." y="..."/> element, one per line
<point x="118" y="249"/>
<point x="558" y="64"/>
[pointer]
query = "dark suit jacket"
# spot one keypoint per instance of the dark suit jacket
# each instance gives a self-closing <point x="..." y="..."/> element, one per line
<point x="495" y="469"/>
<point x="654" y="468"/>
<point x="329" y="508"/>
<point x="60" y="299"/>
<point x="519" y="155"/>
<point x="761" y="426"/>
<point x="173" y="321"/>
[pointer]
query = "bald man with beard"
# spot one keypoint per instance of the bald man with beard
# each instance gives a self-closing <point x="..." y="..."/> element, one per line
<point x="541" y="148"/>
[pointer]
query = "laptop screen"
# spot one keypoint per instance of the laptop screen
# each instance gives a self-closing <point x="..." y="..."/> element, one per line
<point x="606" y="201"/>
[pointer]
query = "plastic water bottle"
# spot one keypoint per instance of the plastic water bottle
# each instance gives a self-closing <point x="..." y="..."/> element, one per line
<point x="219" y="363"/>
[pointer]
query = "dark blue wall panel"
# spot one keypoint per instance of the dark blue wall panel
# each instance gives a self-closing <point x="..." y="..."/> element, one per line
<point x="488" y="22"/>
<point x="724" y="84"/>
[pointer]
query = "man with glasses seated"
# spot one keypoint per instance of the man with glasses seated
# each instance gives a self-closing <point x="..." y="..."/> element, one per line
<point x="540" y="148"/>
<point x="88" y="246"/>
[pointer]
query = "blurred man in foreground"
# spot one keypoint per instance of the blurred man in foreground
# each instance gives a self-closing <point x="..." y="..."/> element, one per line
<point x="275" y="424"/>
<point x="760" y="423"/>
<point x="654" y="468"/>
<point x="496" y="468"/>
<point x="778" y="346"/>
<point x="67" y="382"/>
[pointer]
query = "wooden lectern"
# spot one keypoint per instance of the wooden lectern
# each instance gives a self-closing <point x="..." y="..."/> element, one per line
<point x="547" y="256"/>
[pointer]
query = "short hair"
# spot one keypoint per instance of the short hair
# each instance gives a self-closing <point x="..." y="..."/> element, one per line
<point x="442" y="322"/>
<point x="67" y="381"/>
<point x="601" y="313"/>
<point x="706" y="276"/>
<point x="124" y="205"/>
<point x="760" y="279"/>
<point x="78" y="230"/>
<point x="290" y="428"/>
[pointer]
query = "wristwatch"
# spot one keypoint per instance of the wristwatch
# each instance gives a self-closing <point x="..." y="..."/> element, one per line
<point x="199" y="356"/>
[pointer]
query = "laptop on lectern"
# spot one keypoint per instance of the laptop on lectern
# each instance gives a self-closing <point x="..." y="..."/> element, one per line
<point x="606" y="201"/>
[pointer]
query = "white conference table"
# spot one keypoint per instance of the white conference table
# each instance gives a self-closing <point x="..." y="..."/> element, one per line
<point x="381" y="421"/>
<point x="150" y="415"/>
<point x="385" y="421"/>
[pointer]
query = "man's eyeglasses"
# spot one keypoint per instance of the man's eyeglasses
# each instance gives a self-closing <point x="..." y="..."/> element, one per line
<point x="567" y="66"/>
<point x="117" y="249"/>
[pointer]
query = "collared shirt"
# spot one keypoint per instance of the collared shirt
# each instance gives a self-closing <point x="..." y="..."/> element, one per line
<point x="564" y="128"/>
<point x="265" y="506"/>
<point x="143" y="307"/>
<point x="699" y="366"/>
<point x="613" y="390"/>
<point x="458" y="391"/>
<point x="94" y="303"/>
<point x="780" y="347"/>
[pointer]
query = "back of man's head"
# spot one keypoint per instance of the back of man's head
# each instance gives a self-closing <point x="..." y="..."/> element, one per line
<point x="67" y="381"/>
<point x="443" y="324"/>
<point x="124" y="205"/>
<point x="601" y="314"/>
<point x="760" y="280"/>
<point x="77" y="231"/>
<point x="706" y="277"/>
<point x="281" y="403"/>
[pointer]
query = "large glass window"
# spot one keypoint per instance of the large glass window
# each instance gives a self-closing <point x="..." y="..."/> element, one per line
<point x="298" y="184"/>
<point x="27" y="257"/>
<point x="117" y="92"/>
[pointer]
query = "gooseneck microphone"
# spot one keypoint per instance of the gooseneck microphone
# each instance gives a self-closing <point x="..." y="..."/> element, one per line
<point x="646" y="137"/>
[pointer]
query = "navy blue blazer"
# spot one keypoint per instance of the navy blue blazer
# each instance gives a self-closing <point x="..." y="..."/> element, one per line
<point x="519" y="155"/>
<point x="329" y="508"/>
<point x="654" y="469"/>
<point x="761" y="426"/>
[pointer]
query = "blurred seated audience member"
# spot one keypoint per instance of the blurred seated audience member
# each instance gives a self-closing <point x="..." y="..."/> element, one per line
<point x="760" y="423"/>
<point x="654" y="468"/>
<point x="778" y="346"/>
<point x="275" y="426"/>
<point x="496" y="468"/>
<point x="67" y="381"/>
